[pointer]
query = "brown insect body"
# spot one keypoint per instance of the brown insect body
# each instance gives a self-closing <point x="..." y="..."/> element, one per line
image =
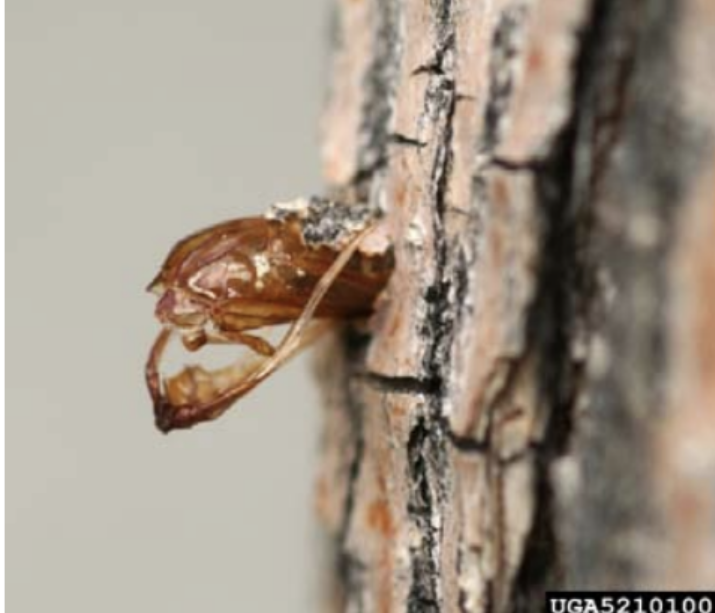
<point x="221" y="284"/>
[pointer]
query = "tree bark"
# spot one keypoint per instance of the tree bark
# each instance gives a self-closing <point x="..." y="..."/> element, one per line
<point x="533" y="405"/>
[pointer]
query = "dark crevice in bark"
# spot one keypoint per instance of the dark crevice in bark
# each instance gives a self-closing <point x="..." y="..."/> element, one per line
<point x="534" y="165"/>
<point x="427" y="458"/>
<point x="440" y="64"/>
<point x="350" y="572"/>
<point x="351" y="569"/>
<point x="439" y="318"/>
<point x="431" y="68"/>
<point x="425" y="453"/>
<point x="561" y="310"/>
<point x="460" y="275"/>
<point x="505" y="52"/>
<point x="352" y="477"/>
<point x="401" y="385"/>
<point x="379" y="85"/>
<point x="466" y="444"/>
<point x="405" y="141"/>
<point x="540" y="568"/>
<point x="362" y="181"/>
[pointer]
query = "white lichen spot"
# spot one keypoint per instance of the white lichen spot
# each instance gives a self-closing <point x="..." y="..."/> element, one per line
<point x="436" y="521"/>
<point x="415" y="235"/>
<point x="599" y="359"/>
<point x="567" y="477"/>
<point x="279" y="210"/>
<point x="644" y="230"/>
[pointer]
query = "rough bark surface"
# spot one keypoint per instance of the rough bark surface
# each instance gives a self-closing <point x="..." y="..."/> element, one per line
<point x="532" y="406"/>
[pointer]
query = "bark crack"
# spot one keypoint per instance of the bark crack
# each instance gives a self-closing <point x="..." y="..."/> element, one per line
<point x="401" y="385"/>
<point x="406" y="141"/>
<point x="426" y="449"/>
<point x="424" y="452"/>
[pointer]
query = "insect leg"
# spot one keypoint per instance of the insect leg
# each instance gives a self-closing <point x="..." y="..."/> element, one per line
<point x="151" y="372"/>
<point x="258" y="344"/>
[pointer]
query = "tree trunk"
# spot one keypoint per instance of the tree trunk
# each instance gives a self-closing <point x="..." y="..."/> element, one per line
<point x="533" y="407"/>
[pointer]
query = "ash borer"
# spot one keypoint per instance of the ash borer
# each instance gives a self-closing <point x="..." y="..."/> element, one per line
<point x="302" y="264"/>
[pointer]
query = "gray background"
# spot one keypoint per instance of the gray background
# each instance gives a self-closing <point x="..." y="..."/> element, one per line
<point x="130" y="124"/>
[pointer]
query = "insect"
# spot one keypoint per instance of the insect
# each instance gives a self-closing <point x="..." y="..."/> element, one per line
<point x="300" y="264"/>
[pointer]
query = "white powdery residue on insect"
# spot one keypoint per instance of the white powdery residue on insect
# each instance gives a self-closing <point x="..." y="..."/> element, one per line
<point x="262" y="267"/>
<point x="194" y="286"/>
<point x="236" y="270"/>
<point x="216" y="274"/>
